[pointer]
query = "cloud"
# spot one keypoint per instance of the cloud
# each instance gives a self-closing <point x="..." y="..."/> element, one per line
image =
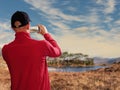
<point x="108" y="5"/>
<point x="117" y="22"/>
<point x="47" y="8"/>
<point x="95" y="33"/>
<point x="82" y="29"/>
<point x="59" y="20"/>
<point x="4" y="26"/>
<point x="72" y="9"/>
<point x="6" y="34"/>
<point x="93" y="17"/>
<point x="108" y="19"/>
<point x="54" y="15"/>
<point x="91" y="46"/>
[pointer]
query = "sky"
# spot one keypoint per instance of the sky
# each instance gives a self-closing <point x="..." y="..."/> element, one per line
<point x="90" y="27"/>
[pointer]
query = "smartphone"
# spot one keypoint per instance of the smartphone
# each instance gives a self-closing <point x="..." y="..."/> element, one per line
<point x="34" y="29"/>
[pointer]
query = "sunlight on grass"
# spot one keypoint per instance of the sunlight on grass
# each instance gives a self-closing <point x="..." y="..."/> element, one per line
<point x="100" y="79"/>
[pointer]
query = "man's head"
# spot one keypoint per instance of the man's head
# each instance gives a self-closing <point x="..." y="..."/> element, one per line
<point x="19" y="19"/>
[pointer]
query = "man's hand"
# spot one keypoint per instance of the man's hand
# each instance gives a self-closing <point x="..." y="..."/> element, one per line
<point x="42" y="29"/>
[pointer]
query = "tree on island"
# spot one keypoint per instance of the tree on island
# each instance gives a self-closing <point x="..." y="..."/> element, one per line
<point x="71" y="59"/>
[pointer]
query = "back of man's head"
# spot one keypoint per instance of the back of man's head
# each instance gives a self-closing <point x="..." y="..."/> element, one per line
<point x="19" y="19"/>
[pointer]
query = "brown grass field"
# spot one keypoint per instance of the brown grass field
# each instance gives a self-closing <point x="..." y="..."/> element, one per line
<point x="100" y="79"/>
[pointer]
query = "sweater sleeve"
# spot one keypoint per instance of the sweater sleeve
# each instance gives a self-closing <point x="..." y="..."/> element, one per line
<point x="53" y="49"/>
<point x="3" y="52"/>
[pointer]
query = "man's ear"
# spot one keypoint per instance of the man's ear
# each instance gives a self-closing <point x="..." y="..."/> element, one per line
<point x="28" y="26"/>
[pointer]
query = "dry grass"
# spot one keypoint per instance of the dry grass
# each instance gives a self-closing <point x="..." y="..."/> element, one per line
<point x="101" y="79"/>
<point x="94" y="80"/>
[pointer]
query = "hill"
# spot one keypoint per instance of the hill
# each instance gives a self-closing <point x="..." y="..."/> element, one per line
<point x="99" y="60"/>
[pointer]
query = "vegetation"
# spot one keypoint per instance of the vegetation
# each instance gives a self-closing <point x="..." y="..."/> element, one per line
<point x="72" y="60"/>
<point x="100" y="79"/>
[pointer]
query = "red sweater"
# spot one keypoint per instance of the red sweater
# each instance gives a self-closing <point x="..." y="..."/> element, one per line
<point x="26" y="60"/>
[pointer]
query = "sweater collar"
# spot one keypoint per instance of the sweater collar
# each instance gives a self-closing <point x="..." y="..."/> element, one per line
<point x="22" y="35"/>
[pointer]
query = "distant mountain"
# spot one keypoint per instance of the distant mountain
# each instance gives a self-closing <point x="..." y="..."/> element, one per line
<point x="99" y="60"/>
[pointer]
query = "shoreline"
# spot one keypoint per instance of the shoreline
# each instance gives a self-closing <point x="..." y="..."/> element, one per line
<point x="74" y="66"/>
<point x="101" y="79"/>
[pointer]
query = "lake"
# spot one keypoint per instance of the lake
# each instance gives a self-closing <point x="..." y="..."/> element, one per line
<point x="74" y="69"/>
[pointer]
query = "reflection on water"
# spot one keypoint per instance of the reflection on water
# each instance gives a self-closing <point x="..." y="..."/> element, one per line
<point x="74" y="69"/>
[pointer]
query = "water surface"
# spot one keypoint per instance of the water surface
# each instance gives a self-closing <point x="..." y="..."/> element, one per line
<point x="74" y="69"/>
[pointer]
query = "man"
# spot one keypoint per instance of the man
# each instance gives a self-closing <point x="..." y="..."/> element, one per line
<point x="26" y="57"/>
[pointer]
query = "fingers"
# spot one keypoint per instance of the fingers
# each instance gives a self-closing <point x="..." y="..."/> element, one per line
<point x="42" y="29"/>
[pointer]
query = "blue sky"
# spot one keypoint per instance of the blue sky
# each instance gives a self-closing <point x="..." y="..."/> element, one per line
<point x="80" y="26"/>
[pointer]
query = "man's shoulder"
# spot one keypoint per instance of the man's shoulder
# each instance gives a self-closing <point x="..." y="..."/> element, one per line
<point x="7" y="44"/>
<point x="39" y="41"/>
<point x="4" y="47"/>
